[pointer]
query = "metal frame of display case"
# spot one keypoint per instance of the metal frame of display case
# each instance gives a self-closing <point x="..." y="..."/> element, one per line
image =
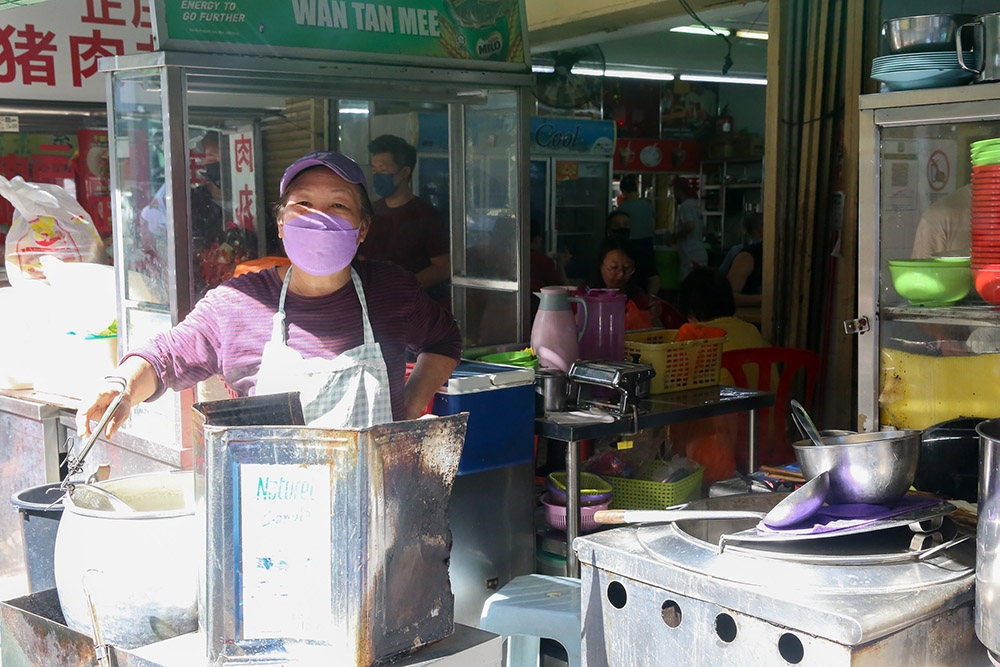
<point x="907" y="108"/>
<point x="184" y="76"/>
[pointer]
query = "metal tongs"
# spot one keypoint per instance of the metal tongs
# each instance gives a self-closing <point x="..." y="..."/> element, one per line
<point x="103" y="499"/>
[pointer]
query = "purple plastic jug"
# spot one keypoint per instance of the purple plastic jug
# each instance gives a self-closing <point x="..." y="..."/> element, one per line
<point x="555" y="337"/>
<point x="604" y="328"/>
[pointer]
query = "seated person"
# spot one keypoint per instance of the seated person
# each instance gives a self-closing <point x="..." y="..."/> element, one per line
<point x="543" y="270"/>
<point x="705" y="296"/>
<point x="945" y="227"/>
<point x="616" y="269"/>
<point x="745" y="273"/>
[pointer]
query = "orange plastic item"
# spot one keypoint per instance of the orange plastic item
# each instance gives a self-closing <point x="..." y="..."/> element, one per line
<point x="695" y="331"/>
<point x="717" y="455"/>
<point x="636" y="317"/>
<point x="255" y="265"/>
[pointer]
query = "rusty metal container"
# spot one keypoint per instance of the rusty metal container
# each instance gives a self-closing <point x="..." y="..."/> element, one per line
<point x="323" y="544"/>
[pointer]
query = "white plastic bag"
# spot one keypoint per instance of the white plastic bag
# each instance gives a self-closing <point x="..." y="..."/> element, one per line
<point x="47" y="222"/>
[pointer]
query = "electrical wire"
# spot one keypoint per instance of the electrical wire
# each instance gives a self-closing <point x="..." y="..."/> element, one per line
<point x="727" y="62"/>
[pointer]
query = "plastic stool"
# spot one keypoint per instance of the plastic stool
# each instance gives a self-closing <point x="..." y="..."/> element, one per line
<point x="533" y="606"/>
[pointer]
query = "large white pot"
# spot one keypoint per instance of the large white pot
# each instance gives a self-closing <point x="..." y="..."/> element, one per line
<point x="140" y="569"/>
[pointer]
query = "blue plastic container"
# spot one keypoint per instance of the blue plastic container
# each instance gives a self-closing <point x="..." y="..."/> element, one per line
<point x="500" y="400"/>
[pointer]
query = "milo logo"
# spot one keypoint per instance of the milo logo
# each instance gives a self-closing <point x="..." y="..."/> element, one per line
<point x="489" y="45"/>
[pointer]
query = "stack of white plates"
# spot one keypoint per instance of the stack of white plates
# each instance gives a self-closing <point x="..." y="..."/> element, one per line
<point x="910" y="71"/>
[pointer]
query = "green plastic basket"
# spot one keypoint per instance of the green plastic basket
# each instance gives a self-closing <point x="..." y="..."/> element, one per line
<point x="639" y="494"/>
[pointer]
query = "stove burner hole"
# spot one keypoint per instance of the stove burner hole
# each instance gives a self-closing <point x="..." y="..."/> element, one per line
<point x="725" y="627"/>
<point x="790" y="648"/>
<point x="670" y="612"/>
<point x="617" y="595"/>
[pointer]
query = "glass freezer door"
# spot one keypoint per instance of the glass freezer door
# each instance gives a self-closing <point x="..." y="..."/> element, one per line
<point x="581" y="192"/>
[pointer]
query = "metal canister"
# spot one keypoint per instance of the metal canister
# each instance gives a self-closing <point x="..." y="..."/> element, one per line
<point x="988" y="537"/>
<point x="552" y="390"/>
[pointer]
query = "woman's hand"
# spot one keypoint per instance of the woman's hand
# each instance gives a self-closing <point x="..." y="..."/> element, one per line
<point x="136" y="381"/>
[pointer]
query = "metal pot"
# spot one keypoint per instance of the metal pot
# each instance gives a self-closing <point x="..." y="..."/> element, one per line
<point x="874" y="468"/>
<point x="988" y="537"/>
<point x="949" y="459"/>
<point x="136" y="571"/>
<point x="931" y="32"/>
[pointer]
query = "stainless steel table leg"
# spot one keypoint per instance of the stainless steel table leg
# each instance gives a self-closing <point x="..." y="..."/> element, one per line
<point x="572" y="506"/>
<point x="752" y="441"/>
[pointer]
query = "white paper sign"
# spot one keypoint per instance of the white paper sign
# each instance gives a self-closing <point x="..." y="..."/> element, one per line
<point x="243" y="175"/>
<point x="285" y="528"/>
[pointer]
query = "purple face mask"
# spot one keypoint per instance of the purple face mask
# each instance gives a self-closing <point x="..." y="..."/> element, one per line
<point x="319" y="243"/>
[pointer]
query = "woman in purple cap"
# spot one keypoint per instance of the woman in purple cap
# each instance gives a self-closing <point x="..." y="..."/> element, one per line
<point x="330" y="327"/>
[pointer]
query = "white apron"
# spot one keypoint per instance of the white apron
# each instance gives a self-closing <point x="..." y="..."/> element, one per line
<point x="350" y="391"/>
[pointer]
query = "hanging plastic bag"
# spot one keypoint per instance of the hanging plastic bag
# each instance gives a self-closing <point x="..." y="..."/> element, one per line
<point x="47" y="222"/>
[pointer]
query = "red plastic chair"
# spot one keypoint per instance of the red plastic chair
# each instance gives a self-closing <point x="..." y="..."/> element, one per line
<point x="797" y="373"/>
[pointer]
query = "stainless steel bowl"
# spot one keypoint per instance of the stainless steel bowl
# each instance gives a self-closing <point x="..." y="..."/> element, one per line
<point x="874" y="468"/>
<point x="931" y="32"/>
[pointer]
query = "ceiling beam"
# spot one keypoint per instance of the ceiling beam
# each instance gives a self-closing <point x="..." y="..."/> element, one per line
<point x="551" y="21"/>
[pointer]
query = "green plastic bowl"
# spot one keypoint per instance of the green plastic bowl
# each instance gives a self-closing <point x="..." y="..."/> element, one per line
<point x="931" y="282"/>
<point x="520" y="358"/>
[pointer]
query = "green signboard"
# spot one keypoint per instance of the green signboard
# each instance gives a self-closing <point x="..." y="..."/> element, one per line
<point x="8" y="4"/>
<point x="472" y="31"/>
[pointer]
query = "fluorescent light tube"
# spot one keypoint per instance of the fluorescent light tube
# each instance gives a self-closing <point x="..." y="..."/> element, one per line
<point x="587" y="71"/>
<point x="620" y="73"/>
<point x="543" y="69"/>
<point x="752" y="34"/>
<point x="723" y="79"/>
<point x="700" y="30"/>
<point x="650" y="75"/>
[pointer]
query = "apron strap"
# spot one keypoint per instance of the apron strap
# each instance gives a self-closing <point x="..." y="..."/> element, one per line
<point x="280" y="332"/>
<point x="278" y="329"/>
<point x="369" y="335"/>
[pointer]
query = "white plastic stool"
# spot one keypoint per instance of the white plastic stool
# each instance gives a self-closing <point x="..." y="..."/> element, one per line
<point x="531" y="607"/>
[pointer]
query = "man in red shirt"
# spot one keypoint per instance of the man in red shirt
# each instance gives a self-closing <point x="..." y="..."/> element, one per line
<point x="406" y="230"/>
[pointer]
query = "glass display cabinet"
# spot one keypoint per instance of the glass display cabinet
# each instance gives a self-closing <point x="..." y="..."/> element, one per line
<point x="172" y="116"/>
<point x="928" y="327"/>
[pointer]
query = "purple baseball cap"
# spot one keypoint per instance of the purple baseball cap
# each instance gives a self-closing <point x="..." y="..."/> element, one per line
<point x="338" y="163"/>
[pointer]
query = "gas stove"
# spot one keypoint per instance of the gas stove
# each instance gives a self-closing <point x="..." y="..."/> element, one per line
<point x="669" y="594"/>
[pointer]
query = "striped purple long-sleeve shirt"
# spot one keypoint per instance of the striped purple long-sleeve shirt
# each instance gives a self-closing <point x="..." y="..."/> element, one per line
<point x="226" y="331"/>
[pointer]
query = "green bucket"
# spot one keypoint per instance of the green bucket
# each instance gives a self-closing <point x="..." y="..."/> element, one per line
<point x="668" y="264"/>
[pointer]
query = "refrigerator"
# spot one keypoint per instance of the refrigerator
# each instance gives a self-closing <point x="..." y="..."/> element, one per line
<point x="570" y="186"/>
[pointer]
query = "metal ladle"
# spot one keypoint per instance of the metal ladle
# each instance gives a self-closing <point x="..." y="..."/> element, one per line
<point x="805" y="423"/>
<point x="83" y="495"/>
<point x="797" y="506"/>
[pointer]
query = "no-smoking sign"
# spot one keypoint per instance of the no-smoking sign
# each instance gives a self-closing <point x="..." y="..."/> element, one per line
<point x="938" y="170"/>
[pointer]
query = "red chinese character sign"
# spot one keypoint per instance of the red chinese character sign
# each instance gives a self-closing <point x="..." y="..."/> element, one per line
<point x="50" y="50"/>
<point x="244" y="179"/>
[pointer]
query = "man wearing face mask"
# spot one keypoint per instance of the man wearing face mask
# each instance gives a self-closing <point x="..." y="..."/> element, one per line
<point x="331" y="326"/>
<point x="406" y="230"/>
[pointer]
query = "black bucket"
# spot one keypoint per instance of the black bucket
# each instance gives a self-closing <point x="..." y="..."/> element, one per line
<point x="39" y="523"/>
